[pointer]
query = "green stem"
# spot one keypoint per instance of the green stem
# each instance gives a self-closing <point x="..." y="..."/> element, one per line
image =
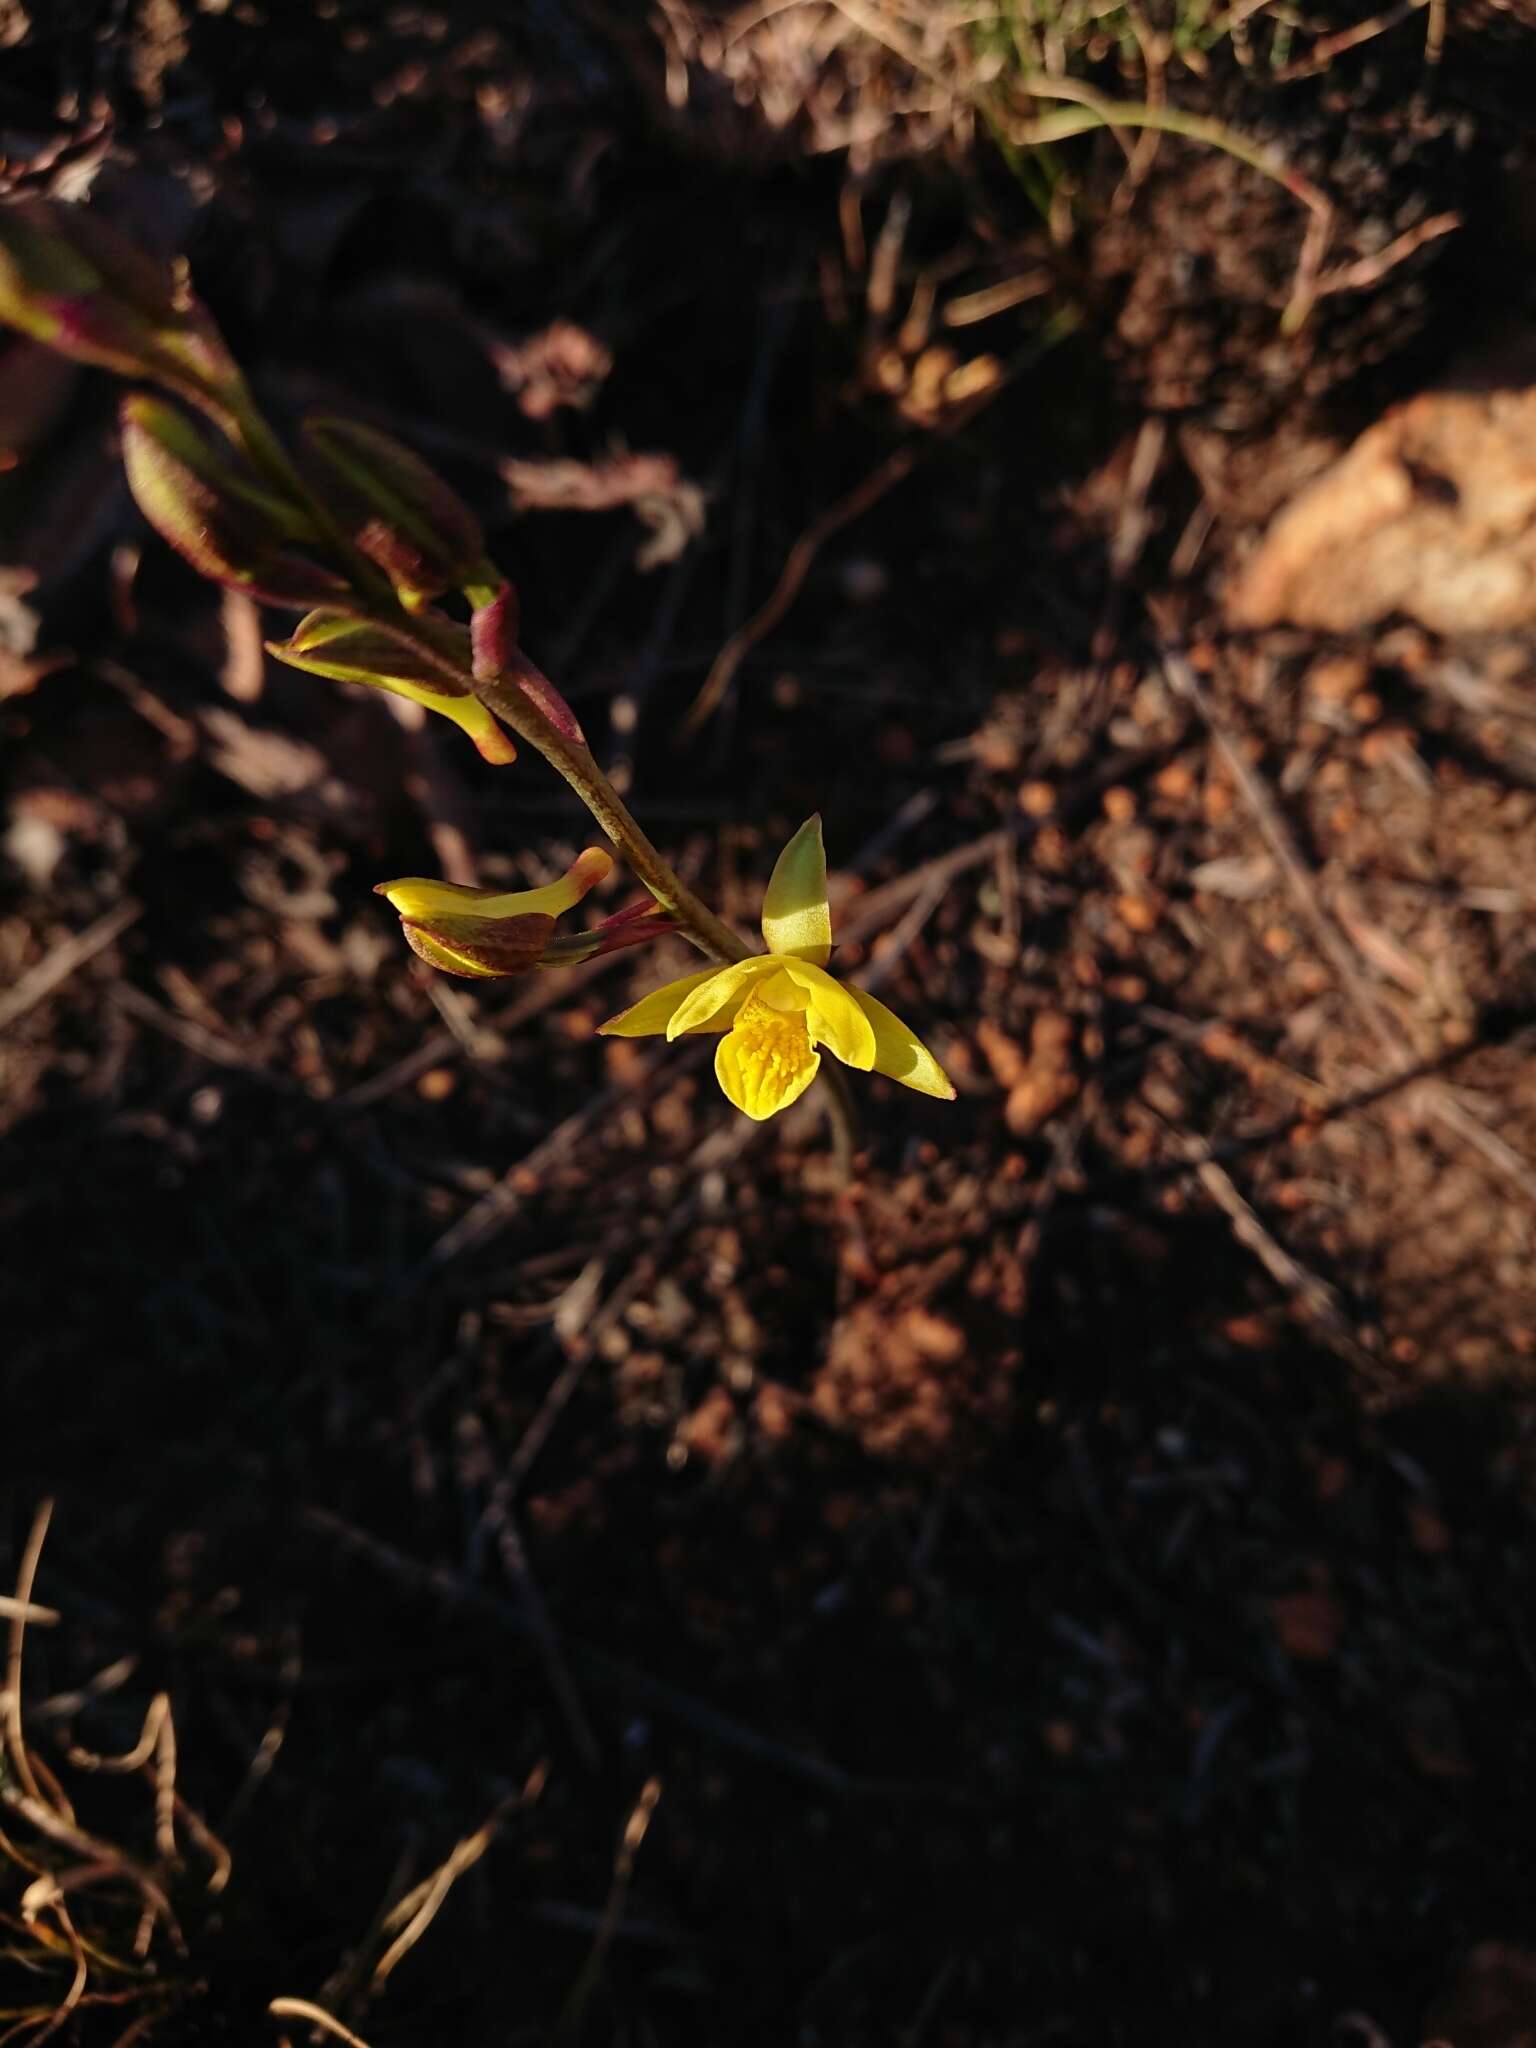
<point x="842" y="1118"/>
<point x="575" y="762"/>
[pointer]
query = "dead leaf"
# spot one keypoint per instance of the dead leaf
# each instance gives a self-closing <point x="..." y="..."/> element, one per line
<point x="562" y="365"/>
<point x="1432" y="513"/>
<point x="268" y="764"/>
<point x="245" y="669"/>
<point x="671" y="506"/>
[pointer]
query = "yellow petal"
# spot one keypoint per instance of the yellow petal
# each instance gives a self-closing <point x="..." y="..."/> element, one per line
<point x="653" y="1013"/>
<point x="718" y="996"/>
<point x="416" y="897"/>
<point x="796" y="919"/>
<point x="780" y="992"/>
<point x="766" y="1060"/>
<point x="835" y="1019"/>
<point x="900" y="1053"/>
<point x="590" y="867"/>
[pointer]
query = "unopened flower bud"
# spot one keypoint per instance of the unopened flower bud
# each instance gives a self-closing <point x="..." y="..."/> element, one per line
<point x="493" y="631"/>
<point x="69" y="280"/>
<point x="353" y="650"/>
<point x="497" y="657"/>
<point x="228" y="528"/>
<point x="489" y="933"/>
<point x="396" y="509"/>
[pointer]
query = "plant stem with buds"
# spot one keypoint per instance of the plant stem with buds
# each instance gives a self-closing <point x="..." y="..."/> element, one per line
<point x="576" y="764"/>
<point x="520" y="712"/>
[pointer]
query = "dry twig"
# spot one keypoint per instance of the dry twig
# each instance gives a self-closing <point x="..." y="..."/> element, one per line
<point x="414" y="1914"/>
<point x="305" y="2009"/>
<point x="797" y="567"/>
<point x="62" y="962"/>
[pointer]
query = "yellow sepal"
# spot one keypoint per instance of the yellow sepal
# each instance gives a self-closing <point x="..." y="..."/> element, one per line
<point x="714" y="1002"/>
<point x="419" y="898"/>
<point x="796" y="917"/>
<point x="900" y="1054"/>
<point x="653" y="1013"/>
<point x="835" y="1019"/>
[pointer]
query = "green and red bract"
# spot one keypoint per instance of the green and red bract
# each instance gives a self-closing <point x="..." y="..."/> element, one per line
<point x="395" y="509"/>
<point x="68" y="279"/>
<point x="219" y="518"/>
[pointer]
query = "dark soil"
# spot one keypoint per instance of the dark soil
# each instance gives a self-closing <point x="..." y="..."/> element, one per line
<point x="1074" y="1586"/>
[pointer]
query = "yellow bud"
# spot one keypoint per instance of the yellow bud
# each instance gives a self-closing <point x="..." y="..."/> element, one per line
<point x="487" y="932"/>
<point x="352" y="650"/>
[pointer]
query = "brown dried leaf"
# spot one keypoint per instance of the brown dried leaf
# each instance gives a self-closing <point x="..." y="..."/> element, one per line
<point x="671" y="506"/>
<point x="562" y="365"/>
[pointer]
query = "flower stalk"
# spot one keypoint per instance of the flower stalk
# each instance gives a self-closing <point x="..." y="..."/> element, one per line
<point x="507" y="695"/>
<point x="366" y="537"/>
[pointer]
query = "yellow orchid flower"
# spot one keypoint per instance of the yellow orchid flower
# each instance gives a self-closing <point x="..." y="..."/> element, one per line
<point x="777" y="1008"/>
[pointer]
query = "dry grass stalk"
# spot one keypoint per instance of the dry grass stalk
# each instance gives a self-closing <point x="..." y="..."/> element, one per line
<point x="67" y="1868"/>
<point x="877" y="79"/>
<point x="305" y="2009"/>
